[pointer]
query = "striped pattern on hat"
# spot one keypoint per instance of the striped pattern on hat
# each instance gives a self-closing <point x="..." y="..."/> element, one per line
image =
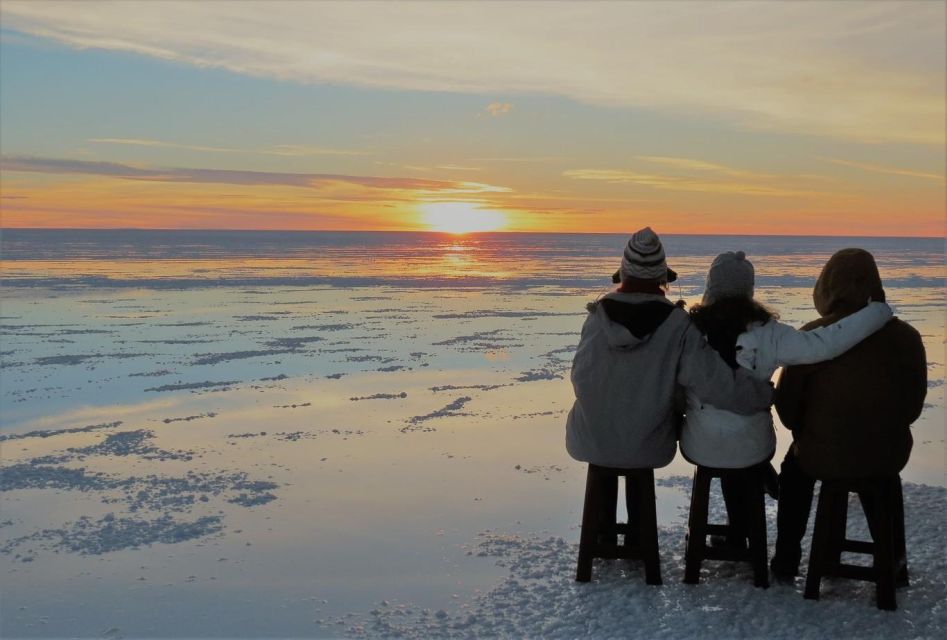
<point x="644" y="257"/>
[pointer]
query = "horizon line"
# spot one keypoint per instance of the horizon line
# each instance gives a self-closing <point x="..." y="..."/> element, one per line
<point x="448" y="233"/>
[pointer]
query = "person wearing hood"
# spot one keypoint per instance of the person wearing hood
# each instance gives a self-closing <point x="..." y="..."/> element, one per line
<point x="635" y="349"/>
<point x="747" y="334"/>
<point x="850" y="417"/>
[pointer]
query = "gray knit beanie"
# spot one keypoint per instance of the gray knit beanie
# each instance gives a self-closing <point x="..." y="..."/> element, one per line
<point x="644" y="258"/>
<point x="731" y="276"/>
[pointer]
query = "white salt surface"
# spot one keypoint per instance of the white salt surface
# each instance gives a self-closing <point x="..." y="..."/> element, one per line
<point x="539" y="598"/>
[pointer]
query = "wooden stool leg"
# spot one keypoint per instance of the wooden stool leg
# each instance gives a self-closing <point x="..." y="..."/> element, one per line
<point x="884" y="553"/>
<point x="591" y="511"/>
<point x="696" y="523"/>
<point x="837" y="532"/>
<point x="648" y="527"/>
<point x="608" y="501"/>
<point x="820" y="542"/>
<point x="633" y="504"/>
<point x="756" y="513"/>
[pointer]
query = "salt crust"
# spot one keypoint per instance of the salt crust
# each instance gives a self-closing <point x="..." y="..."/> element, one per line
<point x="155" y="505"/>
<point x="540" y="599"/>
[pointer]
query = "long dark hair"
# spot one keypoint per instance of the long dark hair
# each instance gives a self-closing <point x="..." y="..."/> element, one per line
<point x="722" y="321"/>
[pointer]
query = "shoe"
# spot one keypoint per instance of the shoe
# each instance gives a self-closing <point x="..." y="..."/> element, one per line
<point x="783" y="572"/>
<point x="728" y="542"/>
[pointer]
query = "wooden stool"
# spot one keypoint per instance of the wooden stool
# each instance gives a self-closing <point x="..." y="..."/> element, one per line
<point x="698" y="528"/>
<point x="883" y="504"/>
<point x="600" y="530"/>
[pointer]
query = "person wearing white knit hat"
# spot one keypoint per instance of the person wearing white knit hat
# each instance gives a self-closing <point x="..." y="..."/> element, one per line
<point x="730" y="275"/>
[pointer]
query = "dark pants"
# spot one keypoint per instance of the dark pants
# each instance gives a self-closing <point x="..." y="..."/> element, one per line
<point x="737" y="495"/>
<point x="792" y="517"/>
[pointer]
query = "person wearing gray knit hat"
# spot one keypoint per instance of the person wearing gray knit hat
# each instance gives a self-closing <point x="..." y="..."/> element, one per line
<point x="644" y="259"/>
<point x="749" y="336"/>
<point x="731" y="276"/>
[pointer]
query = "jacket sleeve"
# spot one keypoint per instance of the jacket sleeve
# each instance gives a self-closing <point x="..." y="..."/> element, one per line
<point x="703" y="372"/>
<point x="793" y="346"/>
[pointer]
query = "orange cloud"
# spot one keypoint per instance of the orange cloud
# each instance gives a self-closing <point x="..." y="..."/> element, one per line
<point x="497" y="109"/>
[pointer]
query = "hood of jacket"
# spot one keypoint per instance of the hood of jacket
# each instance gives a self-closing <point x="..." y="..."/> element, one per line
<point x="847" y="281"/>
<point x="628" y="319"/>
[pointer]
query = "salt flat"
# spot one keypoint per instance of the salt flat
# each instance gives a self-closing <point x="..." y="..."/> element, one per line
<point x="281" y="460"/>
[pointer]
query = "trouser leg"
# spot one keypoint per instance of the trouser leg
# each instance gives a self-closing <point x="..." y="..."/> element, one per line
<point x="735" y="496"/>
<point x="795" y="502"/>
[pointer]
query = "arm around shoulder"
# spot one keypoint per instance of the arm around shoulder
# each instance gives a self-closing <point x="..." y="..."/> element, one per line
<point x="702" y="371"/>
<point x="830" y="341"/>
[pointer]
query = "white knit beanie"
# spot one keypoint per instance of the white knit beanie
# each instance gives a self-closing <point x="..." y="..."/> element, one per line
<point x="644" y="257"/>
<point x="731" y="275"/>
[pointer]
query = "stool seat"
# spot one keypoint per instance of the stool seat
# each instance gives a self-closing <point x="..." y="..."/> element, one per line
<point x="697" y="549"/>
<point x="883" y="503"/>
<point x="600" y="529"/>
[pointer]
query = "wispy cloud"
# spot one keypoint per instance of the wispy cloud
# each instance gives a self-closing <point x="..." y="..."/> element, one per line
<point x="497" y="109"/>
<point x="869" y="71"/>
<point x="689" y="183"/>
<point x="236" y="177"/>
<point x="276" y="150"/>
<point x="894" y="171"/>
<point x="702" y="166"/>
<point x="457" y="167"/>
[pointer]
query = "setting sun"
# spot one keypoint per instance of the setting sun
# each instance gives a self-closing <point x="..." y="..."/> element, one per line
<point x="461" y="217"/>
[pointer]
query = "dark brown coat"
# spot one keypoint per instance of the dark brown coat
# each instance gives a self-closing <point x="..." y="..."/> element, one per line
<point x="851" y="416"/>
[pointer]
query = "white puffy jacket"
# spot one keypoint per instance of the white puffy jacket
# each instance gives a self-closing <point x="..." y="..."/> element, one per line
<point x="717" y="438"/>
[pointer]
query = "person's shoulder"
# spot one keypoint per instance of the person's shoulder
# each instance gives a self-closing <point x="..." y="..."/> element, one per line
<point x="680" y="317"/>
<point x="898" y="329"/>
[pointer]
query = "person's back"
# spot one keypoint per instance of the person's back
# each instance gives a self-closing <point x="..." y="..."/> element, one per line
<point x="623" y="415"/>
<point x="851" y="416"/>
<point x="747" y="334"/>
<point x="636" y="348"/>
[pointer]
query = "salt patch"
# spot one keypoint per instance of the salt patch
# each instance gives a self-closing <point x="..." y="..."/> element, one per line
<point x="210" y="414"/>
<point x="193" y="385"/>
<point x="451" y="409"/>
<point x="94" y="537"/>
<point x="380" y="396"/>
<point x="539" y="598"/>
<point x="46" y="433"/>
<point x="217" y="358"/>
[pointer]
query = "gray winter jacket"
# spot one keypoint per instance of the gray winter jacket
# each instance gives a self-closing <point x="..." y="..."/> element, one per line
<point x="624" y="413"/>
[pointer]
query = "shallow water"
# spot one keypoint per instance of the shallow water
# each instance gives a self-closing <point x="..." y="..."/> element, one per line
<point x="277" y="434"/>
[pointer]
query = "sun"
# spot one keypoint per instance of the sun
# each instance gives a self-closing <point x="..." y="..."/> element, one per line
<point x="461" y="217"/>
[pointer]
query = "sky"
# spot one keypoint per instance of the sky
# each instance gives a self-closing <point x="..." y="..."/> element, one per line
<point x="814" y="118"/>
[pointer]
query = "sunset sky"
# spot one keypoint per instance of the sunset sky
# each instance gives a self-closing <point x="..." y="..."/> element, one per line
<point x="820" y="118"/>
